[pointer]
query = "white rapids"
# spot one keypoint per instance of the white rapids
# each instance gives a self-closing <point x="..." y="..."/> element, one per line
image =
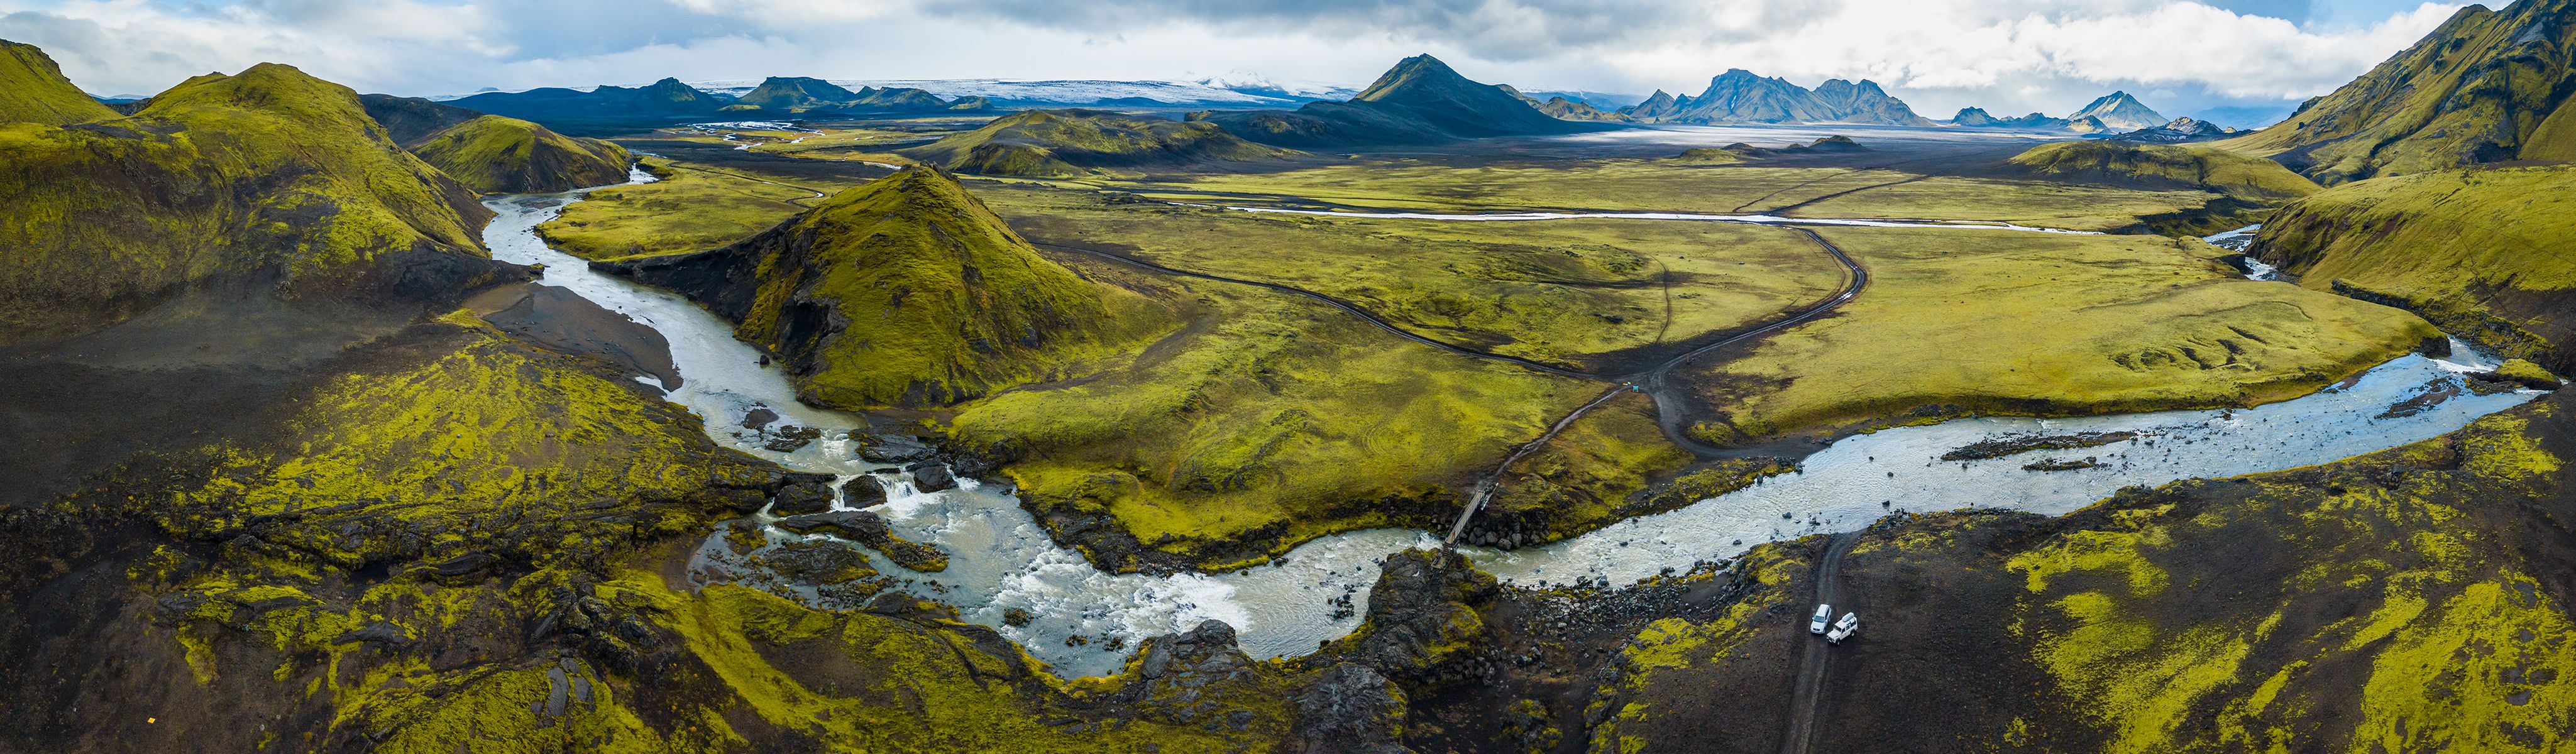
<point x="1000" y="560"/>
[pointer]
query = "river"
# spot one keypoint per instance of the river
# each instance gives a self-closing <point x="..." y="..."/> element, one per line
<point x="999" y="559"/>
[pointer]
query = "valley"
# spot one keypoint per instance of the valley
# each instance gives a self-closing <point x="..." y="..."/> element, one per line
<point x="1427" y="416"/>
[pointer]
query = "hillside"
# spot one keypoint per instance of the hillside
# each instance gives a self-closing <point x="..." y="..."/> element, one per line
<point x="904" y="292"/>
<point x="1739" y="96"/>
<point x="497" y="155"/>
<point x="33" y="90"/>
<point x="269" y="179"/>
<point x="407" y="119"/>
<point x="2487" y="86"/>
<point x="2481" y="252"/>
<point x="1560" y="108"/>
<point x="2249" y="188"/>
<point x="1421" y="100"/>
<point x="1060" y="143"/>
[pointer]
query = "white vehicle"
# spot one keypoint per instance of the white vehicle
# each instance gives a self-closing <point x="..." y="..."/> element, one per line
<point x="1824" y="614"/>
<point x="1843" y="629"/>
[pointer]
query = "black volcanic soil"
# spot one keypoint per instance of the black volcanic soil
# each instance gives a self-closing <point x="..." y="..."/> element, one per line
<point x="564" y="321"/>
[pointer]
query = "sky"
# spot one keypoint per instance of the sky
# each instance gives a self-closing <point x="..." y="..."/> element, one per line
<point x="2238" y="57"/>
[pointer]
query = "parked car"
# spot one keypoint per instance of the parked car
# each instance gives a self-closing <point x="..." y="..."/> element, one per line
<point x="1843" y="629"/>
<point x="1824" y="615"/>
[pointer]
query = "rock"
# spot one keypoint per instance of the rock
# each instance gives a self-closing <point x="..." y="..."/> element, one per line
<point x="758" y="417"/>
<point x="1421" y="615"/>
<point x="1349" y="709"/>
<point x="2436" y="347"/>
<point x="869" y="529"/>
<point x="932" y="476"/>
<point x="802" y="497"/>
<point x="1012" y="616"/>
<point x="893" y="449"/>
<point x="863" y="491"/>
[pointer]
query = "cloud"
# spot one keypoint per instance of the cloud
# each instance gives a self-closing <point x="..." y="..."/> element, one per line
<point x="1939" y="54"/>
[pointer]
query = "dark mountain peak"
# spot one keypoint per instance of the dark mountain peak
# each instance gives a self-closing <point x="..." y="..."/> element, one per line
<point x="1411" y="76"/>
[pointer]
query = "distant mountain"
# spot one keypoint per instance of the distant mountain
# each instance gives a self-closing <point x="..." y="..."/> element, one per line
<point x="812" y="95"/>
<point x="664" y="101"/>
<point x="1974" y="117"/>
<point x="1561" y="108"/>
<point x="1230" y="93"/>
<point x="2486" y="86"/>
<point x="1421" y="100"/>
<point x="2118" y="111"/>
<point x="1059" y="143"/>
<point x="499" y="155"/>
<point x="1739" y="96"/>
<point x="902" y="292"/>
<point x="2178" y="131"/>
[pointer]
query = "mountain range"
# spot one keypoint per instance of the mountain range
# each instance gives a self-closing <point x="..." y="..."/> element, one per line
<point x="1739" y="96"/>
<point x="804" y="95"/>
<point x="2110" y="113"/>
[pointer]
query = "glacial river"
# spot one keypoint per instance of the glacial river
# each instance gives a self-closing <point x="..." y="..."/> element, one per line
<point x="999" y="559"/>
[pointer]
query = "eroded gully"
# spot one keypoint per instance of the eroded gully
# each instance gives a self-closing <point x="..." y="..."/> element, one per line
<point x="1002" y="563"/>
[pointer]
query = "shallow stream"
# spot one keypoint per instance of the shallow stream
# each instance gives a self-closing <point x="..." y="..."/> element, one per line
<point x="999" y="559"/>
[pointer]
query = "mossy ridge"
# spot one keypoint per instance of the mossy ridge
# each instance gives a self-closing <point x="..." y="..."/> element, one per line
<point x="2475" y="90"/>
<point x="2254" y="180"/>
<point x="2481" y="252"/>
<point x="471" y="449"/>
<point x="1068" y="143"/>
<point x="33" y="90"/>
<point x="497" y="155"/>
<point x="2383" y="602"/>
<point x="265" y="177"/>
<point x="1998" y="322"/>
<point x="908" y="292"/>
<point x="1272" y="421"/>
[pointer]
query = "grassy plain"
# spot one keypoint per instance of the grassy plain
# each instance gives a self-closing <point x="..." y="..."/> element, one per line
<point x="2034" y="323"/>
<point x="693" y="208"/>
<point x="1569" y="292"/>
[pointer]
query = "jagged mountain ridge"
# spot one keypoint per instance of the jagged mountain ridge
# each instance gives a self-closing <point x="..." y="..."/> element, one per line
<point x="2119" y="112"/>
<point x="1740" y="96"/>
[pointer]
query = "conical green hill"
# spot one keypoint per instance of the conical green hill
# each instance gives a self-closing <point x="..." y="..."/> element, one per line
<point x="906" y="292"/>
<point x="493" y="154"/>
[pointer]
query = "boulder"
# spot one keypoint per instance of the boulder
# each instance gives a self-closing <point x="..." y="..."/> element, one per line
<point x="932" y="476"/>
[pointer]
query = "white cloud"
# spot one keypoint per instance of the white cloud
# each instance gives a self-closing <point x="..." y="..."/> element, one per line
<point x="1939" y="54"/>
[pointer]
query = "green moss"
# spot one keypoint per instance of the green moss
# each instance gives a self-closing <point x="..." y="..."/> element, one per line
<point x="33" y="90"/>
<point x="497" y="155"/>
<point x="489" y="446"/>
<point x="2251" y="179"/>
<point x="240" y="179"/>
<point x="692" y="208"/>
<point x="1060" y="143"/>
<point x="1707" y="156"/>
<point x="2479" y="252"/>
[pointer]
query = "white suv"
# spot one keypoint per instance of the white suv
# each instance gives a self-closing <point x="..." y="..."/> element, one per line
<point x="1843" y="629"/>
<point x="1824" y="615"/>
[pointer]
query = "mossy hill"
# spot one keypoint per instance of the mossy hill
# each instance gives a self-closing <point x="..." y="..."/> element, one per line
<point x="498" y="155"/>
<point x="268" y="178"/>
<point x="33" y="90"/>
<point x="2482" y="252"/>
<point x="1421" y="100"/>
<point x="2254" y="181"/>
<point x="1064" y="143"/>
<point x="407" y="119"/>
<point x="2486" y="86"/>
<point x="904" y="292"/>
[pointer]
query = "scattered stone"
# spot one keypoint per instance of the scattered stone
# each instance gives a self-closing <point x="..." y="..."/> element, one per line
<point x="932" y="476"/>
<point x="802" y="497"/>
<point x="1015" y="617"/>
<point x="2004" y="445"/>
<point x="862" y="491"/>
<point x="869" y="529"/>
<point x="758" y="418"/>
<point x="892" y="448"/>
<point x="2061" y="464"/>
